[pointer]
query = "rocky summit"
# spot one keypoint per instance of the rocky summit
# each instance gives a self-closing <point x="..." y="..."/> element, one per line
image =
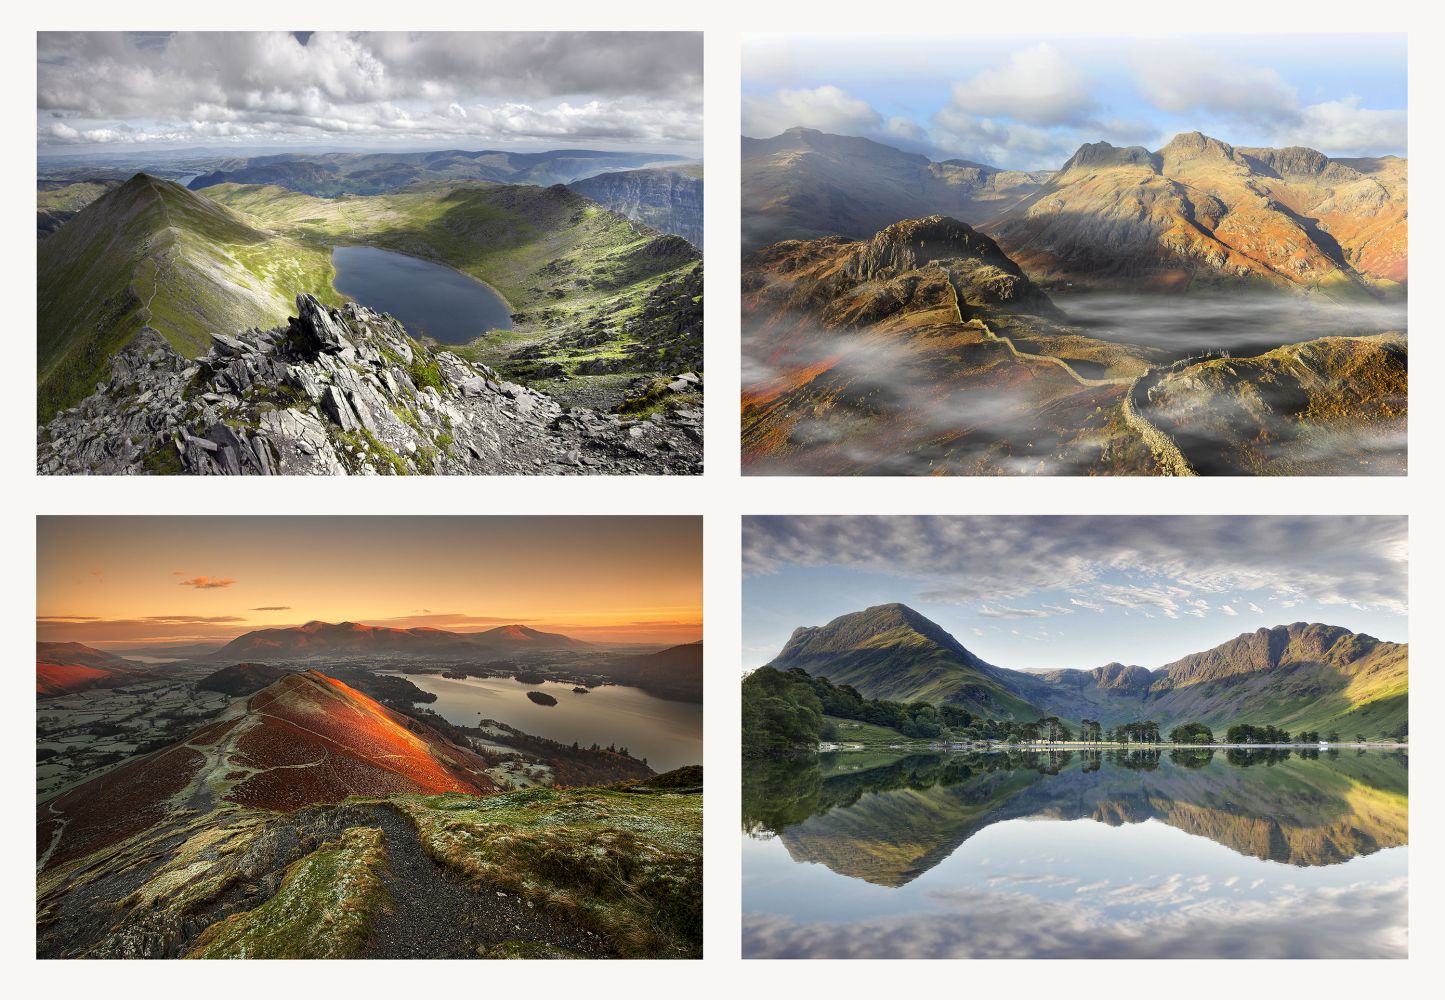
<point x="347" y="391"/>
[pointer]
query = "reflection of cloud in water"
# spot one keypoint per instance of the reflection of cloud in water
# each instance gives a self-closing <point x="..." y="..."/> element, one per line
<point x="1234" y="321"/>
<point x="1357" y="921"/>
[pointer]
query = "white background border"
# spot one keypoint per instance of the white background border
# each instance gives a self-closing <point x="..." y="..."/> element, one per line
<point x="721" y="495"/>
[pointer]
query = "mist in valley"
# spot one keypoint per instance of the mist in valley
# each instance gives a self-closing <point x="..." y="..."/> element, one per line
<point x="1240" y="322"/>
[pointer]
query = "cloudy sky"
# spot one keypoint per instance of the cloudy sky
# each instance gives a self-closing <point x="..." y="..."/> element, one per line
<point x="114" y="582"/>
<point x="1029" y="102"/>
<point x="524" y="90"/>
<point x="1047" y="592"/>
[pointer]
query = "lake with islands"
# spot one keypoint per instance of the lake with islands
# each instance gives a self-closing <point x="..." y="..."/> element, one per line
<point x="1262" y="853"/>
<point x="667" y="733"/>
<point x="429" y="299"/>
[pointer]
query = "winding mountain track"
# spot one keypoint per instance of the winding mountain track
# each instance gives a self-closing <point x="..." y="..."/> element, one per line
<point x="1166" y="452"/>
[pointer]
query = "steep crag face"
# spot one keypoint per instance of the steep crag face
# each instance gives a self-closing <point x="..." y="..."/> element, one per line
<point x="669" y="200"/>
<point x="1200" y="212"/>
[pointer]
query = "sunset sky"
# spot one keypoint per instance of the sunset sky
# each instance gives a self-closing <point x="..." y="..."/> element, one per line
<point x="114" y="582"/>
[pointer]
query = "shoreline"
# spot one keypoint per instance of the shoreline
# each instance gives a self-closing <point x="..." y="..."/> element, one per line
<point x="1039" y="747"/>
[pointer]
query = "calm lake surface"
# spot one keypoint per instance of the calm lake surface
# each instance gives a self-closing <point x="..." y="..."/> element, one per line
<point x="429" y="299"/>
<point x="1194" y="854"/>
<point x="667" y="733"/>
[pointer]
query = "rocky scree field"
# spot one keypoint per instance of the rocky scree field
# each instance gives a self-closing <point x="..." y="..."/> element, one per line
<point x="347" y="391"/>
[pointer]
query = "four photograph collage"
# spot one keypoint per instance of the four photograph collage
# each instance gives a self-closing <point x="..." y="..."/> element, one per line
<point x="976" y="686"/>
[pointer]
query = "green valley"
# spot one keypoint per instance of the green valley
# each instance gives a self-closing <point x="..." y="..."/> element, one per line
<point x="597" y="299"/>
<point x="887" y="676"/>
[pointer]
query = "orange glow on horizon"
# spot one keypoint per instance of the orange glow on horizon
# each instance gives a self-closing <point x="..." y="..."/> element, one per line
<point x="130" y="581"/>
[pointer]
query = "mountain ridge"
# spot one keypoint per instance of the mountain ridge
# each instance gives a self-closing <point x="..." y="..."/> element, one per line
<point x="1302" y="674"/>
<point x="323" y="638"/>
<point x="806" y="184"/>
<point x="1196" y="210"/>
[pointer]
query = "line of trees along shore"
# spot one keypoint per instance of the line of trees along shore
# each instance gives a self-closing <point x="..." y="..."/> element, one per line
<point x="788" y="712"/>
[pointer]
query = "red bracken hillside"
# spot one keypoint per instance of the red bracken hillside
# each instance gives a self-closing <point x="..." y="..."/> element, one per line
<point x="63" y="667"/>
<point x="304" y="740"/>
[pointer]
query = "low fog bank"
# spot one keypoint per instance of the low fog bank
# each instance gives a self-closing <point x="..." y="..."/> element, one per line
<point x="893" y="411"/>
<point x="1243" y="323"/>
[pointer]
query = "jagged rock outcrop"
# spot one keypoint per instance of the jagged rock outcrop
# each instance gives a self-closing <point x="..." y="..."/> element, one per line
<point x="347" y="391"/>
<point x="978" y="270"/>
<point x="909" y="266"/>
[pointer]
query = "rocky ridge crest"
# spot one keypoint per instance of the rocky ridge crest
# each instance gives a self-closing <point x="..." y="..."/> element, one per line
<point x="347" y="392"/>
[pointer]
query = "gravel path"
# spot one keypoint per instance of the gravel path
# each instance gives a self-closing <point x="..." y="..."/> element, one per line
<point x="434" y="914"/>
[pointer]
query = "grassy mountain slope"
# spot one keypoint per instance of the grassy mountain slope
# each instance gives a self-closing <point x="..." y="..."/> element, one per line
<point x="1300" y="676"/>
<point x="591" y="291"/>
<point x="893" y="653"/>
<point x="58" y="201"/>
<point x="152" y="254"/>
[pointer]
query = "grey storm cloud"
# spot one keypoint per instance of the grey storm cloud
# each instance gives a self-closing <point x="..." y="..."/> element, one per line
<point x="97" y="87"/>
<point x="1358" y="561"/>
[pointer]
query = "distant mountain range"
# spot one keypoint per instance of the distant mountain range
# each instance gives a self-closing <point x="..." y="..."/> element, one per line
<point x="1198" y="211"/>
<point x="1295" y="676"/>
<point x="332" y="174"/>
<point x="804" y="184"/>
<point x="321" y="639"/>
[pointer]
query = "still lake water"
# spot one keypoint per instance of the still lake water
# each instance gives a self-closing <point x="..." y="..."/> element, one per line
<point x="667" y="733"/>
<point x="429" y="299"/>
<point x="1197" y="854"/>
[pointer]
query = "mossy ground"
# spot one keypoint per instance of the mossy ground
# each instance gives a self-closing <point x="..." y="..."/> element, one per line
<point x="626" y="866"/>
<point x="323" y="909"/>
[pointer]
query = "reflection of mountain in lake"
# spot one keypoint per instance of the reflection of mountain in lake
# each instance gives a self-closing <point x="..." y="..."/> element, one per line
<point x="889" y="820"/>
